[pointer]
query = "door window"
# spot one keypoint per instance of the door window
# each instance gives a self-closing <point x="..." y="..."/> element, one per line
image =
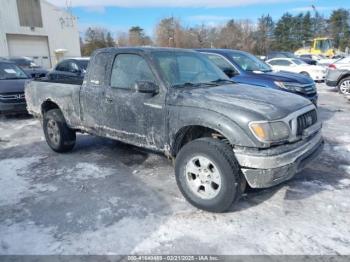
<point x="63" y="66"/>
<point x="280" y="62"/>
<point x="129" y="69"/>
<point x="73" y="67"/>
<point x="98" y="69"/>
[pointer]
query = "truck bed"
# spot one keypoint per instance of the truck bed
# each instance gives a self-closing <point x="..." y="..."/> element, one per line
<point x="66" y="96"/>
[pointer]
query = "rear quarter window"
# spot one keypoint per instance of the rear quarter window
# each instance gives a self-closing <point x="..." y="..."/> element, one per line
<point x="97" y="69"/>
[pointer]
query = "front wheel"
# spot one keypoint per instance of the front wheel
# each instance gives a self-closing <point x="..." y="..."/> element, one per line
<point x="305" y="74"/>
<point x="58" y="135"/>
<point x="208" y="174"/>
<point x="344" y="86"/>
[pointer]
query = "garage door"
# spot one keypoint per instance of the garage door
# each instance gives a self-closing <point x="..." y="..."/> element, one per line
<point x="35" y="47"/>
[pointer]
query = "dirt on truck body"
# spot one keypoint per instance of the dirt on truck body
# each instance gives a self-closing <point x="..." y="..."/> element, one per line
<point x="221" y="135"/>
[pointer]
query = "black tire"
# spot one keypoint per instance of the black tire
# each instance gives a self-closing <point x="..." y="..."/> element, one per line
<point x="340" y="90"/>
<point x="222" y="156"/>
<point x="65" y="136"/>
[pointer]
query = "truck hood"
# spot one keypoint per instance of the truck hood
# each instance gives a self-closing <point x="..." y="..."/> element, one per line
<point x="12" y="86"/>
<point x="283" y="76"/>
<point x="241" y="102"/>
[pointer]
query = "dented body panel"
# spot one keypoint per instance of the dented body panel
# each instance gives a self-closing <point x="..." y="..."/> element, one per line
<point x="158" y="121"/>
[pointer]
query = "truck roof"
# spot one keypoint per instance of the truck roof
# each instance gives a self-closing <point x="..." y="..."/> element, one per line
<point x="144" y="49"/>
<point x="220" y="50"/>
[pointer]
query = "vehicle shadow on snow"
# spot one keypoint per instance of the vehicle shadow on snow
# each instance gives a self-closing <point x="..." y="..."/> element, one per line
<point x="326" y="114"/>
<point x="12" y="117"/>
<point x="91" y="197"/>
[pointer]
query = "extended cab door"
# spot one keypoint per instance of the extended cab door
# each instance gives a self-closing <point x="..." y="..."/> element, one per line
<point x="92" y="92"/>
<point x="133" y="116"/>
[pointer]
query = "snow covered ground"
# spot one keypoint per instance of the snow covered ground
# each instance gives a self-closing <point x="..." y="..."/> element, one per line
<point x="109" y="198"/>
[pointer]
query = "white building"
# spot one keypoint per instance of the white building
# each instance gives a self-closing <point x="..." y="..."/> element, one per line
<point x="39" y="30"/>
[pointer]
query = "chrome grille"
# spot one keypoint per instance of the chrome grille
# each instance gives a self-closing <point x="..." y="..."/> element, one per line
<point x="12" y="97"/>
<point x="306" y="120"/>
<point x="310" y="89"/>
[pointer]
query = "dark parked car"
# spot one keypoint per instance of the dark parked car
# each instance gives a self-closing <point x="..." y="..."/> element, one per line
<point x="12" y="81"/>
<point x="221" y="135"/>
<point x="245" y="68"/>
<point x="276" y="54"/>
<point x="339" y="78"/>
<point x="69" y="71"/>
<point x="28" y="66"/>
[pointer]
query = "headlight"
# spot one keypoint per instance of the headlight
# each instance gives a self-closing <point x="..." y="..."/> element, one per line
<point x="270" y="131"/>
<point x="290" y="86"/>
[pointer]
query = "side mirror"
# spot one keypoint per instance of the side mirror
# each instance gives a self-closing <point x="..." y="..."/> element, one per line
<point x="146" y="87"/>
<point x="230" y="72"/>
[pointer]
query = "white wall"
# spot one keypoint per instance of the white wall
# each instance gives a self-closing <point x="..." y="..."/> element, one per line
<point x="59" y="36"/>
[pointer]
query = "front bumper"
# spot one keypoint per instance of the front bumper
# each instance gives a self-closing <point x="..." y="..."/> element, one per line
<point x="318" y="76"/>
<point x="11" y="108"/>
<point x="268" y="168"/>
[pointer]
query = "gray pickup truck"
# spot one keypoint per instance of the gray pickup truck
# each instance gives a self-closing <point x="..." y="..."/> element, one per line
<point x="221" y="135"/>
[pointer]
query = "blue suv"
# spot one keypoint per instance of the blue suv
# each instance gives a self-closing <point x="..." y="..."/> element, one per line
<point x="245" y="68"/>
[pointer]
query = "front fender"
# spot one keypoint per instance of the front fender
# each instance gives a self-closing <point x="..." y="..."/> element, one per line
<point x="188" y="116"/>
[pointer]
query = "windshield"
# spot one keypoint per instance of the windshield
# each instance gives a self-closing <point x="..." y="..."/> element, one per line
<point x="187" y="68"/>
<point x="324" y="44"/>
<point x="288" y="55"/>
<point x="24" y="63"/>
<point x="11" y="71"/>
<point x="298" y="62"/>
<point x="249" y="62"/>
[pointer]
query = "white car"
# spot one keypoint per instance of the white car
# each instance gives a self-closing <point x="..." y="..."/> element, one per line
<point x="317" y="73"/>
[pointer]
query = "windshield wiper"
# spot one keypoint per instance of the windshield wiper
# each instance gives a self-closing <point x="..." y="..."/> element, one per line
<point x="189" y="84"/>
<point x="183" y="85"/>
<point x="222" y="80"/>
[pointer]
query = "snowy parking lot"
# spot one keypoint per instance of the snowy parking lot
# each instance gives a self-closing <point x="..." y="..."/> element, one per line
<point x="106" y="197"/>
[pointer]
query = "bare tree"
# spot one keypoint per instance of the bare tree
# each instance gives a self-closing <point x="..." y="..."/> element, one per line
<point x="96" y="37"/>
<point x="122" y="39"/>
<point x="169" y="32"/>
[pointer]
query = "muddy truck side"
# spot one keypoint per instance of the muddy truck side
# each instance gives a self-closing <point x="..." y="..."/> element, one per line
<point x="221" y="135"/>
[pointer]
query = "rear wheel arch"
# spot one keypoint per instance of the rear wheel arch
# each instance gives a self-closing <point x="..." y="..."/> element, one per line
<point x="347" y="75"/>
<point x="47" y="106"/>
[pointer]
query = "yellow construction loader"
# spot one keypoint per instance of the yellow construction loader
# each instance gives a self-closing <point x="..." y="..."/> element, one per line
<point x="319" y="46"/>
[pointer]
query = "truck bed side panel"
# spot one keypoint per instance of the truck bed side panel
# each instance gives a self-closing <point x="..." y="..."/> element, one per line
<point x="65" y="96"/>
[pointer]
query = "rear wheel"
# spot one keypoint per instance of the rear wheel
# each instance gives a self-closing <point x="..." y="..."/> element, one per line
<point x="344" y="86"/>
<point x="208" y="174"/>
<point x="58" y="135"/>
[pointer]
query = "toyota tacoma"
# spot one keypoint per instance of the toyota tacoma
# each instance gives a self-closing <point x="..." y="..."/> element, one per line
<point x="219" y="134"/>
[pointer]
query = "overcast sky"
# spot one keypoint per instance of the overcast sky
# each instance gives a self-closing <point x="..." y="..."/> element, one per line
<point x="120" y="15"/>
